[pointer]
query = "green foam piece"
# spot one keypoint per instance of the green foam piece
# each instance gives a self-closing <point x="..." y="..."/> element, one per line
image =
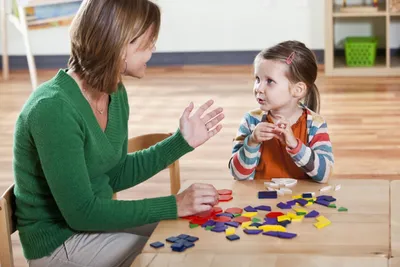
<point x="236" y="215"/>
<point x="301" y="213"/>
<point x="208" y="228"/>
<point x="255" y="220"/>
<point x="332" y="206"/>
<point x="342" y="209"/>
<point x="191" y="225"/>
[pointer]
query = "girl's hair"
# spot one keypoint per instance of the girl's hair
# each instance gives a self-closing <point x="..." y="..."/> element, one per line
<point x="99" y="33"/>
<point x="302" y="67"/>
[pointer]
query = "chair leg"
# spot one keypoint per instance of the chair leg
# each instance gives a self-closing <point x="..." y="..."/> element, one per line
<point x="29" y="55"/>
<point x="3" y="15"/>
<point x="6" y="253"/>
<point x="175" y="177"/>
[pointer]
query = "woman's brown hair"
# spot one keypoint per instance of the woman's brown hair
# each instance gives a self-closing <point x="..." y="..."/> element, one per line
<point x="99" y="33"/>
<point x="302" y="67"/>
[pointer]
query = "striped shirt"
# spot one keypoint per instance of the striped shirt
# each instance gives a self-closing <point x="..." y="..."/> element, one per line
<point x="315" y="158"/>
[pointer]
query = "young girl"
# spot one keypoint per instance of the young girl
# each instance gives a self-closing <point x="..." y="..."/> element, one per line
<point x="284" y="137"/>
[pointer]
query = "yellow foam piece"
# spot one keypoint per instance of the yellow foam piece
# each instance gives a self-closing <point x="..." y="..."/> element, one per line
<point x="297" y="218"/>
<point x="230" y="231"/>
<point x="283" y="218"/>
<point x="251" y="228"/>
<point x="249" y="214"/>
<point x="306" y="205"/>
<point x="275" y="228"/>
<point x="291" y="215"/>
<point x="297" y="197"/>
<point x="322" y="219"/>
<point x="321" y="225"/>
<point x="246" y="224"/>
<point x="298" y="209"/>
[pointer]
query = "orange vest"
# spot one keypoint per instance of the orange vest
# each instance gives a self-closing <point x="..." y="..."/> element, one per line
<point x="275" y="162"/>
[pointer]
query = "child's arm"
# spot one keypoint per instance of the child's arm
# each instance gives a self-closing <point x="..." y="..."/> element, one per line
<point x="316" y="159"/>
<point x="244" y="157"/>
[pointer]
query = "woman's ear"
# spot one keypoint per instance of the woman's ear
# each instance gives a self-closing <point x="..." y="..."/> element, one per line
<point x="299" y="90"/>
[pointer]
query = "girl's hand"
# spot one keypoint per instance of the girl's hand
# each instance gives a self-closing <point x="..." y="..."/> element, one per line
<point x="197" y="129"/>
<point x="285" y="134"/>
<point x="262" y="132"/>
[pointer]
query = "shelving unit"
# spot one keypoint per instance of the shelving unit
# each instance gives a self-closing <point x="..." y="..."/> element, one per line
<point x="21" y="23"/>
<point x="388" y="65"/>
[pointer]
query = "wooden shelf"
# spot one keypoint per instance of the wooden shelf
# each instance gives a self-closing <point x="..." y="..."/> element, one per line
<point x="395" y="14"/>
<point x="337" y="13"/>
<point x="395" y="62"/>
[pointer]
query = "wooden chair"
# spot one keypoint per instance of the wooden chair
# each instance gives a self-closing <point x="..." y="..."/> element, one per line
<point x="7" y="227"/>
<point x="148" y="140"/>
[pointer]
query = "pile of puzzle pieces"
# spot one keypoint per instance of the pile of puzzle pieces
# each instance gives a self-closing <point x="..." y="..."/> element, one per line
<point x="273" y="224"/>
<point x="178" y="243"/>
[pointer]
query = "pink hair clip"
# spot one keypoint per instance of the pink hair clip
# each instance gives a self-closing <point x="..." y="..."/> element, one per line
<point x="290" y="58"/>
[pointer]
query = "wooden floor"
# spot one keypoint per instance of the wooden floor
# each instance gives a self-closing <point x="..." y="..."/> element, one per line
<point x="363" y="116"/>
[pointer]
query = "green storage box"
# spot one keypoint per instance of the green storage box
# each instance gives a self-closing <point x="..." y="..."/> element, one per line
<point x="360" y="51"/>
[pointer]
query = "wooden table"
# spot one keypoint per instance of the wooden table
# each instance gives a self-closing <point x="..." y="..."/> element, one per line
<point x="395" y="222"/>
<point x="363" y="231"/>
<point x="199" y="259"/>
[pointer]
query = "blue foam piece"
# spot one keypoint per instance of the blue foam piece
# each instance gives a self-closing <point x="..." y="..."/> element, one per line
<point x="307" y="195"/>
<point x="283" y="206"/>
<point x="157" y="244"/>
<point x="188" y="244"/>
<point x="252" y="232"/>
<point x="267" y="194"/>
<point x="233" y="224"/>
<point x="219" y="229"/>
<point x="192" y="238"/>
<point x="312" y="214"/>
<point x="183" y="236"/>
<point x="326" y="198"/>
<point x="271" y="233"/>
<point x="263" y="207"/>
<point x="209" y="223"/>
<point x="302" y="202"/>
<point x="225" y="214"/>
<point x="178" y="245"/>
<point x="183" y="248"/>
<point x="291" y="202"/>
<point x="172" y="239"/>
<point x="286" y="235"/>
<point x="322" y="202"/>
<point x="256" y="224"/>
<point x="250" y="209"/>
<point x="284" y="223"/>
<point x="219" y="224"/>
<point x="270" y="221"/>
<point x="232" y="237"/>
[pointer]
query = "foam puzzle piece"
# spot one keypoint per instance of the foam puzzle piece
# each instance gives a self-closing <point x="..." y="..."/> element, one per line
<point x="286" y="235"/>
<point x="249" y="214"/>
<point x="217" y="210"/>
<point x="179" y="245"/>
<point x="267" y="194"/>
<point x="321" y="225"/>
<point x="246" y="224"/>
<point x="192" y="238"/>
<point x="274" y="214"/>
<point x="199" y="221"/>
<point x="225" y="198"/>
<point x="297" y="197"/>
<point x="208" y="228"/>
<point x="291" y="215"/>
<point x="255" y="220"/>
<point x="287" y="191"/>
<point x="183" y="236"/>
<point x="276" y="228"/>
<point x="224" y="192"/>
<point x="283" y="206"/>
<point x="191" y="225"/>
<point x="233" y="237"/>
<point x="283" y="218"/>
<point x="219" y="224"/>
<point x="205" y="214"/>
<point x="263" y="207"/>
<point x="250" y="209"/>
<point x="157" y="244"/>
<point x="219" y="229"/>
<point x="300" y="211"/>
<point x="256" y="224"/>
<point x="271" y="184"/>
<point x="307" y="195"/>
<point x="234" y="210"/>
<point x="230" y="231"/>
<point x="222" y="219"/>
<point x="297" y="218"/>
<point x="302" y="201"/>
<point x="341" y="209"/>
<point x="322" y="202"/>
<point x="209" y="223"/>
<point x="332" y="205"/>
<point x="241" y="219"/>
<point x="312" y="214"/>
<point x="271" y="233"/>
<point x="172" y="239"/>
<point x="284" y="223"/>
<point x="270" y="221"/>
<point x="326" y="188"/>
<point x="252" y="232"/>
<point x="291" y="202"/>
<point x="232" y="224"/>
<point x="230" y="215"/>
<point x="188" y="244"/>
<point x="326" y="198"/>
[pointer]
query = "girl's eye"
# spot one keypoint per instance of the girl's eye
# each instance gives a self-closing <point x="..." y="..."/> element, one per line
<point x="269" y="81"/>
<point x="257" y="80"/>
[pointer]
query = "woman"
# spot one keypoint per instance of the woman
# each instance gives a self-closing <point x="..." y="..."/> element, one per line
<point x="70" y="152"/>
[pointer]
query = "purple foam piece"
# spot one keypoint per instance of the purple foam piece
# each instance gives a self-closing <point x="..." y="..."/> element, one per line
<point x="263" y="207"/>
<point x="307" y="195"/>
<point x="271" y="233"/>
<point x="286" y="235"/>
<point x="233" y="224"/>
<point x="291" y="202"/>
<point x="283" y="206"/>
<point x="225" y="214"/>
<point x="302" y="202"/>
<point x="312" y="214"/>
<point x="322" y="202"/>
<point x="284" y="223"/>
<point x="209" y="223"/>
<point x="219" y="229"/>
<point x="267" y="194"/>
<point x="233" y="237"/>
<point x="270" y="221"/>
<point x="252" y="231"/>
<point x="256" y="224"/>
<point x="250" y="209"/>
<point x="326" y="198"/>
<point x="219" y="224"/>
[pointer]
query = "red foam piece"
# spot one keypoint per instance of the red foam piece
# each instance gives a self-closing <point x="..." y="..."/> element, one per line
<point x="225" y="192"/>
<point x="234" y="210"/>
<point x="225" y="198"/>
<point x="241" y="219"/>
<point x="217" y="210"/>
<point x="188" y="217"/>
<point x="206" y="214"/>
<point x="199" y="221"/>
<point x="222" y="219"/>
<point x="274" y="214"/>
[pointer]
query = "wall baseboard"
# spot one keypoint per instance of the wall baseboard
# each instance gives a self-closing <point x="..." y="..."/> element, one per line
<point x="173" y="59"/>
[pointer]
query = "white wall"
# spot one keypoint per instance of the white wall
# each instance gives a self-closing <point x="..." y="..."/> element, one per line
<point x="224" y="25"/>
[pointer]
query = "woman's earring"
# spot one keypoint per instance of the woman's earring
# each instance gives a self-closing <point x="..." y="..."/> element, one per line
<point x="126" y="66"/>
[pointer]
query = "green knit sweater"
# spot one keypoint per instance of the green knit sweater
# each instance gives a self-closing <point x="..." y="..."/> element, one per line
<point x="67" y="169"/>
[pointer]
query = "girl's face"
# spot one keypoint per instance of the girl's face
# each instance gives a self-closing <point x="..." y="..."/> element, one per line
<point x="137" y="55"/>
<point x="272" y="89"/>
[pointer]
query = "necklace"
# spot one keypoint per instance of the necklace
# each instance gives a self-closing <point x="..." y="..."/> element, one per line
<point x="101" y="111"/>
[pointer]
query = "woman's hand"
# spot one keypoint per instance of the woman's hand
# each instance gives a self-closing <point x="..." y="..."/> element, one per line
<point x="197" y="129"/>
<point x="196" y="199"/>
